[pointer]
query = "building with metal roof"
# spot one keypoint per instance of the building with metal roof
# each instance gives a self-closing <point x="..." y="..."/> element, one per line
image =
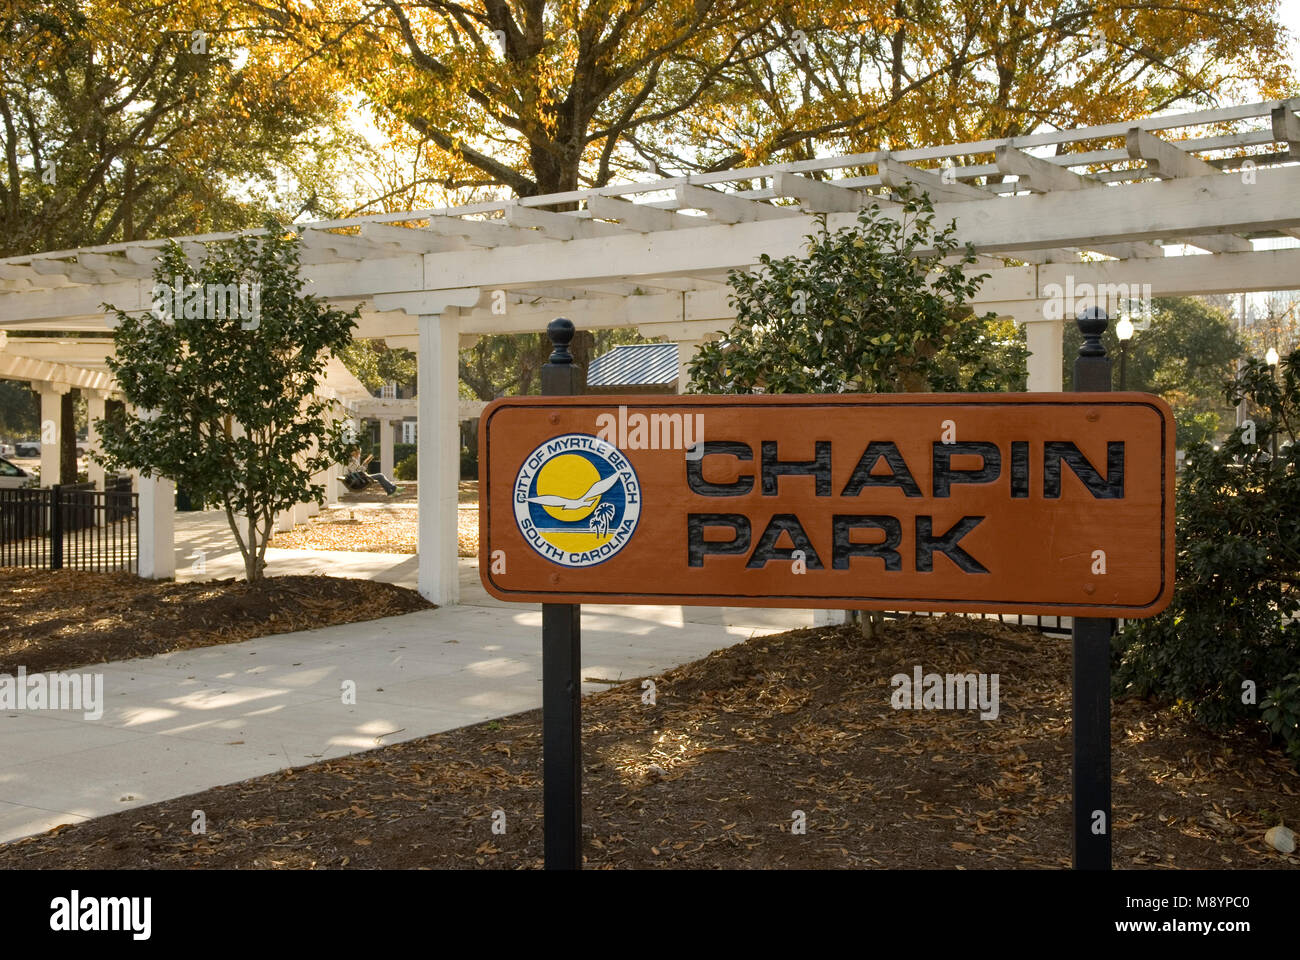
<point x="636" y="368"/>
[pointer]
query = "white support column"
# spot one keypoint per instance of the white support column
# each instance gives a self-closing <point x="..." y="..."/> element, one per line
<point x="331" y="480"/>
<point x="94" y="411"/>
<point x="1044" y="333"/>
<point x="386" y="428"/>
<point x="439" y="458"/>
<point x="157" y="527"/>
<point x="1045" y="340"/>
<point x="686" y="351"/>
<point x="51" y="429"/>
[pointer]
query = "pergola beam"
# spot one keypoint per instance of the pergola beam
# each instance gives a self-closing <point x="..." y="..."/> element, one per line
<point x="1143" y="211"/>
<point x="1286" y="128"/>
<point x="41" y="371"/>
<point x="114" y="267"/>
<point x="322" y="246"/>
<point x="641" y="217"/>
<point x="483" y="233"/>
<point x="1168" y="162"/>
<point x="66" y="269"/>
<point x="1039" y="176"/>
<point x="818" y="196"/>
<point x="725" y="208"/>
<point x="898" y="175"/>
<point x="558" y="226"/>
<point x="409" y="239"/>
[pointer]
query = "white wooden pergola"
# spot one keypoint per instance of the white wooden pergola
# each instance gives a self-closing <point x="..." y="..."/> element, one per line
<point x="1060" y="211"/>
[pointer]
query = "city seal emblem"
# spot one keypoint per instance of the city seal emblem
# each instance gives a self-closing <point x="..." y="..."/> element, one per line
<point x="577" y="500"/>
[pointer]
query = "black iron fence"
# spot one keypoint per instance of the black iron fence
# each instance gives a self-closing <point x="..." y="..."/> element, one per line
<point x="71" y="525"/>
<point x="1052" y="626"/>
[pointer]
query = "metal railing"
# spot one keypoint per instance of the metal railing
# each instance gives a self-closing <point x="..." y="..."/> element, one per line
<point x="1052" y="626"/>
<point x="71" y="525"/>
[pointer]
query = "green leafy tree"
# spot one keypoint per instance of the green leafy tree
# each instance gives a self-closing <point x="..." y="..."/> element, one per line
<point x="1230" y="626"/>
<point x="226" y="403"/>
<point x="1185" y="356"/>
<point x="375" y="364"/>
<point x="500" y="365"/>
<point x="872" y="308"/>
<point x="19" y="410"/>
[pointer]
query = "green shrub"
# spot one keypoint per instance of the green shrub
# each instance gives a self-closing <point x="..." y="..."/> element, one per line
<point x="402" y="450"/>
<point x="882" y="306"/>
<point x="1194" y="428"/>
<point x="1227" y="650"/>
<point x="1282" y="713"/>
<point x="407" y="469"/>
<point x="469" y="463"/>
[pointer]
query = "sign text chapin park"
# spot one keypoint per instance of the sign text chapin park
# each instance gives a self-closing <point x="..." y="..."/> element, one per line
<point x="1031" y="503"/>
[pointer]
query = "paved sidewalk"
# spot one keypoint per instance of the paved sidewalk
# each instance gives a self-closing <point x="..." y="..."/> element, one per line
<point x="183" y="722"/>
<point x="207" y="531"/>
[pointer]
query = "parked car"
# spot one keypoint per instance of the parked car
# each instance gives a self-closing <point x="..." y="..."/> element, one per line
<point x="27" y="448"/>
<point x="11" y="476"/>
<point x="6" y="450"/>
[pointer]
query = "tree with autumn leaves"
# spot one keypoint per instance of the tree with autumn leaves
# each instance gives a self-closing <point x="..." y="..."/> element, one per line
<point x="124" y="119"/>
<point x="529" y="97"/>
<point x="127" y="119"/>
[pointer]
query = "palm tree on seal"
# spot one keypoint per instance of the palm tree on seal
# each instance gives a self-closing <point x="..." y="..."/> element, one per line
<point x="601" y="518"/>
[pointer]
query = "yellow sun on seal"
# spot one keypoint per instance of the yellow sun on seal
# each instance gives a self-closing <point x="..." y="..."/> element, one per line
<point x="569" y="476"/>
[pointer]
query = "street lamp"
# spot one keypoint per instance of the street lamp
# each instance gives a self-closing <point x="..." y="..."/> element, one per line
<point x="1271" y="357"/>
<point x="1123" y="330"/>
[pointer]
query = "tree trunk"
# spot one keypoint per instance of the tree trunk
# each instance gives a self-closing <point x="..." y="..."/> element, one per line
<point x="555" y="172"/>
<point x="870" y="623"/>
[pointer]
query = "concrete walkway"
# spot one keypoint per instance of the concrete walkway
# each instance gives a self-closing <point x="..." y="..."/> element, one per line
<point x="207" y="534"/>
<point x="184" y="722"/>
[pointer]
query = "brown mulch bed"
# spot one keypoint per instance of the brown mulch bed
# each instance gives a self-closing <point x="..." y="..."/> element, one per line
<point x="374" y="529"/>
<point x="710" y="775"/>
<point x="380" y="524"/>
<point x="70" y="618"/>
<point x="407" y="492"/>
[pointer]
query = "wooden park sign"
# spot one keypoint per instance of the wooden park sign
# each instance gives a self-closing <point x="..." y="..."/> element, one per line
<point x="1023" y="503"/>
<point x="1059" y="503"/>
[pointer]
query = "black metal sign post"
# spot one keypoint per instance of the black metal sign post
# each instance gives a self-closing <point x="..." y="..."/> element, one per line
<point x="562" y="665"/>
<point x="1090" y="697"/>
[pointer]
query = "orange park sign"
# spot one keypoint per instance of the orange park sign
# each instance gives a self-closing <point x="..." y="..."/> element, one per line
<point x="1029" y="503"/>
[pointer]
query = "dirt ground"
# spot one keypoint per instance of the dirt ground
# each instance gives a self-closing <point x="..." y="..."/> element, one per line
<point x="69" y="618"/>
<point x="712" y="773"/>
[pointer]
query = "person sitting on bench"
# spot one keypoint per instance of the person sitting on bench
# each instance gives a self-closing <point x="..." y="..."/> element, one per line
<point x="357" y="477"/>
